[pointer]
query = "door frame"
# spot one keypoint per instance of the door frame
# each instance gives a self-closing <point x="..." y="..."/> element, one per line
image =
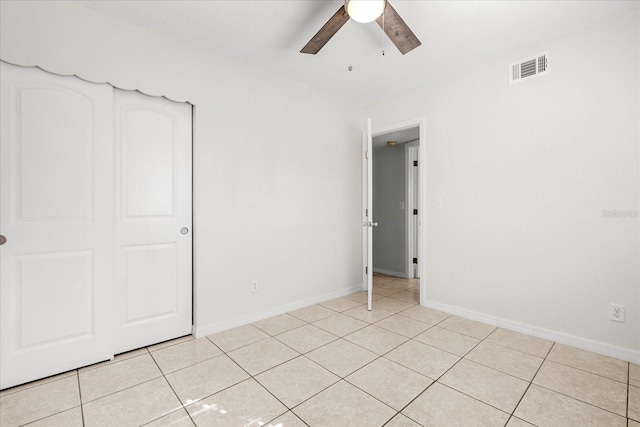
<point x="419" y="122"/>
<point x="412" y="152"/>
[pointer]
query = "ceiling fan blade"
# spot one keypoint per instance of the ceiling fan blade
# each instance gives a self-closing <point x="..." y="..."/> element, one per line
<point x="398" y="30"/>
<point x="326" y="32"/>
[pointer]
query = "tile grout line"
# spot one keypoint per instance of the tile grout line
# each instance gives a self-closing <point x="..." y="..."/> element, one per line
<point x="183" y="407"/>
<point x="458" y="361"/>
<point x="80" y="395"/>
<point x="628" y="390"/>
<point x="581" y="370"/>
<point x="340" y="378"/>
<point x="530" y="383"/>
<point x="445" y="372"/>
<point x="252" y="377"/>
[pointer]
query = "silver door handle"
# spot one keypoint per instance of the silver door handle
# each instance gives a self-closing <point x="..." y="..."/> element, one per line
<point x="369" y="224"/>
<point x="184" y="230"/>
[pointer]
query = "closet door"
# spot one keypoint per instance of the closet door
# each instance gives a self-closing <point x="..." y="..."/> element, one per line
<point x="153" y="225"/>
<point x="56" y="213"/>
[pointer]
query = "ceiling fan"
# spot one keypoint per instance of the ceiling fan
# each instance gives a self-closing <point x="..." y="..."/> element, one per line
<point x="366" y="11"/>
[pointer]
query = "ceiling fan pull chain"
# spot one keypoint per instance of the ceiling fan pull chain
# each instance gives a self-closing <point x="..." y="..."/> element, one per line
<point x="350" y="68"/>
<point x="383" y="34"/>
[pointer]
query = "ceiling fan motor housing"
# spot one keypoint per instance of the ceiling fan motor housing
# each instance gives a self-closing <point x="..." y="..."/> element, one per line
<point x="365" y="11"/>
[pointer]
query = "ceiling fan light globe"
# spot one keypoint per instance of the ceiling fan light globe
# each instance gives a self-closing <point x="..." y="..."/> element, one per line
<point x="365" y="11"/>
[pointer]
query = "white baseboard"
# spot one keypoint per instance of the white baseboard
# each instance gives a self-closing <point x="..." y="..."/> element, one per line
<point x="201" y="331"/>
<point x="560" y="337"/>
<point x="401" y="274"/>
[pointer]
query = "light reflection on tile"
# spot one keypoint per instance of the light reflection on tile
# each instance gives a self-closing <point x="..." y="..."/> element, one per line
<point x="245" y="404"/>
<point x="134" y="406"/>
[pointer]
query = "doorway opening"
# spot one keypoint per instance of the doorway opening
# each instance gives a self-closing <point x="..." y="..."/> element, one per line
<point x="398" y="201"/>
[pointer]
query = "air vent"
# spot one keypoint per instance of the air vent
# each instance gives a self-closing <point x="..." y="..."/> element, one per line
<point x="530" y="67"/>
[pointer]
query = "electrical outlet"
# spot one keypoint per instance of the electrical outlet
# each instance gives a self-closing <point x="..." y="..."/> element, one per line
<point x="616" y="312"/>
<point x="254" y="286"/>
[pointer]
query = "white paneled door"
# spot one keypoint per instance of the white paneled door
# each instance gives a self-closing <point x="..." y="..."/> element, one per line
<point x="153" y="227"/>
<point x="56" y="215"/>
<point x="91" y="206"/>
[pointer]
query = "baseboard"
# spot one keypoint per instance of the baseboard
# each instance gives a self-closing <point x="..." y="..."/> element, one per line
<point x="401" y="274"/>
<point x="201" y="331"/>
<point x="560" y="337"/>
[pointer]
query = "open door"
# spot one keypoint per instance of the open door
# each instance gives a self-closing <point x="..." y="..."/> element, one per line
<point x="367" y="211"/>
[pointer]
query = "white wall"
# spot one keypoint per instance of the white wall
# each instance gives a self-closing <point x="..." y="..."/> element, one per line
<point x="525" y="172"/>
<point x="276" y="165"/>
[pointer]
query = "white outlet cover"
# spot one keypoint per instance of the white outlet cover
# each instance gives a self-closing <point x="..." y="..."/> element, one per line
<point x="616" y="312"/>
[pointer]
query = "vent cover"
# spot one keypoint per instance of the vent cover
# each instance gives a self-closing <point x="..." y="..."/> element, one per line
<point x="530" y="67"/>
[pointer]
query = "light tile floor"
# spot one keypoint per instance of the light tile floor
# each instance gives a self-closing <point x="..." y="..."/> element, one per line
<point x="337" y="364"/>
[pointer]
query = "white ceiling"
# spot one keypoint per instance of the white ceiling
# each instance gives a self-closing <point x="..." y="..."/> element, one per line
<point x="455" y="35"/>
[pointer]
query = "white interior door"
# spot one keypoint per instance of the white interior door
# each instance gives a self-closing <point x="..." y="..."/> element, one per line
<point x="56" y="213"/>
<point x="367" y="214"/>
<point x="153" y="227"/>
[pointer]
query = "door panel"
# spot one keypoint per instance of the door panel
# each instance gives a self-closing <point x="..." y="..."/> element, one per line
<point x="66" y="297"/>
<point x="153" y="186"/>
<point x="148" y="144"/>
<point x="56" y="213"/>
<point x="49" y="189"/>
<point x="142" y="281"/>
